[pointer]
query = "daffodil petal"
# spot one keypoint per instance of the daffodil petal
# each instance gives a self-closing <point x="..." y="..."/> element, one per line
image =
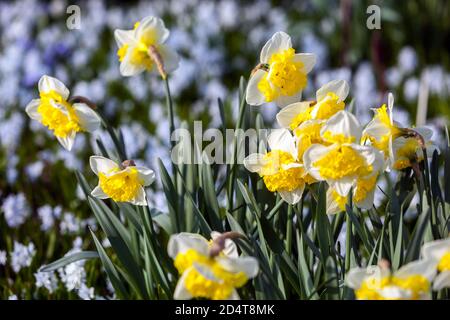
<point x="253" y="96"/>
<point x="254" y="162"/>
<point x="181" y="242"/>
<point x="282" y="139"/>
<point x="102" y="164"/>
<point x="140" y="198"/>
<point x="170" y="58"/>
<point x="424" y="267"/>
<point x="343" y="123"/>
<point x="292" y="197"/>
<point x="47" y="84"/>
<point x="442" y="281"/>
<point x="308" y="60"/>
<point x="32" y="109"/>
<point x="123" y="37"/>
<point x="283" y="101"/>
<point x="288" y="113"/>
<point x="312" y="154"/>
<point x="230" y="249"/>
<point x="98" y="193"/>
<point x="67" y="141"/>
<point x="152" y="26"/>
<point x="88" y="119"/>
<point x="129" y="69"/>
<point x="280" y="41"/>
<point x="181" y="293"/>
<point x="248" y="265"/>
<point x="435" y="249"/>
<point x="338" y="87"/>
<point x="146" y="175"/>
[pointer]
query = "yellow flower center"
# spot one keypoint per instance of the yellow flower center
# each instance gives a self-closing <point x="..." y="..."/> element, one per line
<point x="363" y="187"/>
<point x="122" y="185"/>
<point x="340" y="200"/>
<point x="285" y="77"/>
<point x="139" y="54"/>
<point x="341" y="162"/>
<point x="328" y="106"/>
<point x="278" y="179"/>
<point x="382" y="143"/>
<point x="444" y="263"/>
<point x="62" y="121"/>
<point x="337" y="138"/>
<point x="415" y="284"/>
<point x="300" y="118"/>
<point x="202" y="287"/>
<point x="406" y="154"/>
<point x="307" y="135"/>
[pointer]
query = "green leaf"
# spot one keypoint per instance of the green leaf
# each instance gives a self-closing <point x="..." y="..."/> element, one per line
<point x="82" y="255"/>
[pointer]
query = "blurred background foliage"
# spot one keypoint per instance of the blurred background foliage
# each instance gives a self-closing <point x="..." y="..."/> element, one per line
<point x="218" y="41"/>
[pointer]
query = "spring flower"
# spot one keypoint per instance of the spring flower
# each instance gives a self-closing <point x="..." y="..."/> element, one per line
<point x="122" y="183"/>
<point x="208" y="272"/>
<point x="280" y="169"/>
<point x="405" y="151"/>
<point x="63" y="118"/>
<point x="342" y="162"/>
<point x="439" y="252"/>
<point x="143" y="48"/>
<point x="22" y="255"/>
<point x="47" y="280"/>
<point x="329" y="100"/>
<point x="410" y="282"/>
<point x="382" y="128"/>
<point x="16" y="209"/>
<point x="281" y="73"/>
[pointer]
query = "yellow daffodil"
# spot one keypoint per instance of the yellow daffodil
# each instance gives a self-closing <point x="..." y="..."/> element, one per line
<point x="63" y="118"/>
<point x="280" y="169"/>
<point x="439" y="252"/>
<point x="281" y="74"/>
<point x="206" y="272"/>
<point x="410" y="282"/>
<point x="405" y="151"/>
<point x="329" y="100"/>
<point x="382" y="129"/>
<point x="121" y="183"/>
<point x="144" y="48"/>
<point x="342" y="162"/>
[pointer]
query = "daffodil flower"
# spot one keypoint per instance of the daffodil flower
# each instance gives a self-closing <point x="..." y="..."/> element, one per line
<point x="144" y="48"/>
<point x="329" y="100"/>
<point x="410" y="282"/>
<point x="205" y="274"/>
<point x="342" y="162"/>
<point x="439" y="252"/>
<point x="280" y="169"/>
<point x="281" y="73"/>
<point x="382" y="129"/>
<point x="405" y="151"/>
<point x="63" y="118"/>
<point x="121" y="183"/>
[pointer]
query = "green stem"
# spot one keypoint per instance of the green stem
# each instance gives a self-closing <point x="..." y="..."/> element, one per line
<point x="289" y="230"/>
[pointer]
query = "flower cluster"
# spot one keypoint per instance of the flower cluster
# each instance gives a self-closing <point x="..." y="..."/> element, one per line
<point x="320" y="140"/>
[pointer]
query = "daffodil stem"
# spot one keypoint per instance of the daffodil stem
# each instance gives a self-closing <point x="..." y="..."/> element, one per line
<point x="169" y="103"/>
<point x="290" y="217"/>
<point x="119" y="147"/>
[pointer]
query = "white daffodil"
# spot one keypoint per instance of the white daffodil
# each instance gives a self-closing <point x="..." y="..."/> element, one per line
<point x="144" y="48"/>
<point x="122" y="183"/>
<point x="279" y="168"/>
<point x="410" y="282"/>
<point x="382" y="129"/>
<point x="439" y="252"/>
<point x="405" y="151"/>
<point x="342" y="162"/>
<point x="329" y="100"/>
<point x="281" y="74"/>
<point x="63" y="118"/>
<point x="205" y="274"/>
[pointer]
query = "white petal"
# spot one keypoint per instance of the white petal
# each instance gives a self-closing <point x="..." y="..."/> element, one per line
<point x="283" y="101"/>
<point x="234" y="295"/>
<point x="146" y="175"/>
<point x="47" y="84"/>
<point x="254" y="162"/>
<point x="98" y="193"/>
<point x="339" y="87"/>
<point x="280" y="41"/>
<point x="391" y="106"/>
<point x="102" y="164"/>
<point x="282" y="139"/>
<point x="370" y="154"/>
<point x="140" y="199"/>
<point x="435" y="249"/>
<point x="442" y="281"/>
<point x="343" y="123"/>
<point x="253" y="96"/>
<point x="88" y="119"/>
<point x="343" y="186"/>
<point x="425" y="267"/>
<point x="124" y="37"/>
<point x="312" y="154"/>
<point x="248" y="265"/>
<point x="308" y="60"/>
<point x="181" y="242"/>
<point x="288" y="113"/>
<point x="292" y="197"/>
<point x="230" y="249"/>
<point x="170" y="58"/>
<point x="32" y="109"/>
<point x="367" y="202"/>
<point x="425" y="132"/>
<point x="128" y="69"/>
<point x="67" y="142"/>
<point x="181" y="293"/>
<point x="332" y="205"/>
<point x="152" y="27"/>
<point x="377" y="129"/>
<point x="355" y="277"/>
